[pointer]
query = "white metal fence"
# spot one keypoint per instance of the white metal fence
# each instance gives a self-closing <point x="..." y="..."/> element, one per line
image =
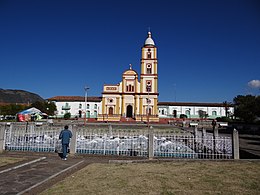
<point x="130" y="142"/>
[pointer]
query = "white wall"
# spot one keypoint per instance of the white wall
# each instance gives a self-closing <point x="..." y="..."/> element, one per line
<point x="167" y="111"/>
<point x="94" y="107"/>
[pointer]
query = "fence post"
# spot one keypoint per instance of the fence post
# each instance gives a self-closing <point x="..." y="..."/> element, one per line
<point x="215" y="132"/>
<point x="196" y="132"/>
<point x="235" y="144"/>
<point x="204" y="134"/>
<point x="2" y="138"/>
<point x="215" y="136"/>
<point x="150" y="143"/>
<point x="73" y="139"/>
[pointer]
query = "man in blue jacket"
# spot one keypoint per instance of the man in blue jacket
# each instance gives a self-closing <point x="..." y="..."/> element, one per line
<point x="65" y="136"/>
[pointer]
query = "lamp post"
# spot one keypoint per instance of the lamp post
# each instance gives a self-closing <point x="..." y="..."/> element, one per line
<point x="148" y="89"/>
<point x="86" y="95"/>
<point x="150" y="130"/>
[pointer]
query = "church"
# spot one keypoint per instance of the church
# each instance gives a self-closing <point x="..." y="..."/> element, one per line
<point x="134" y="98"/>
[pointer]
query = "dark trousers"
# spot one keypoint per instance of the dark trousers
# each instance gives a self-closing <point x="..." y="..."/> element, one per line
<point x="64" y="150"/>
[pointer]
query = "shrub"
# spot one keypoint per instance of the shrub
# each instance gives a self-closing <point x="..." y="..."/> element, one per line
<point x="183" y="116"/>
<point x="67" y="115"/>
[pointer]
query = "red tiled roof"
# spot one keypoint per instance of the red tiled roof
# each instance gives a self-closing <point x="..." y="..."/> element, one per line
<point x="191" y="104"/>
<point x="74" y="98"/>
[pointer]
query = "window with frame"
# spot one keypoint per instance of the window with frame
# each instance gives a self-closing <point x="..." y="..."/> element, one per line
<point x="174" y="113"/>
<point x="130" y="88"/>
<point x="88" y="114"/>
<point x="149" y="69"/>
<point x="148" y="86"/>
<point x="87" y="106"/>
<point x="149" y="55"/>
<point x="187" y="112"/>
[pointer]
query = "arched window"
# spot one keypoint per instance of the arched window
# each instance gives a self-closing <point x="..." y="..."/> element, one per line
<point x="174" y="113"/>
<point x="149" y="69"/>
<point x="187" y="112"/>
<point x="148" y="86"/>
<point x="149" y="111"/>
<point x="95" y="106"/>
<point x="88" y="114"/>
<point x="87" y="106"/>
<point x="149" y="55"/>
<point x="162" y="112"/>
<point x="95" y="114"/>
<point x="80" y="106"/>
<point x="214" y="113"/>
<point x="130" y="88"/>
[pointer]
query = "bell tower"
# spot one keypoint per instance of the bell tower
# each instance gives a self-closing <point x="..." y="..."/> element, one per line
<point x="149" y="80"/>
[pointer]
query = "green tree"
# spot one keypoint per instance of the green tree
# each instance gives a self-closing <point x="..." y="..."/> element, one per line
<point x="12" y="109"/>
<point x="202" y="114"/>
<point x="46" y="107"/>
<point x="227" y="106"/>
<point x="67" y="115"/>
<point x="183" y="116"/>
<point x="247" y="107"/>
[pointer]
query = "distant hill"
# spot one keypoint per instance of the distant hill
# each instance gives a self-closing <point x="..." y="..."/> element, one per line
<point x="18" y="96"/>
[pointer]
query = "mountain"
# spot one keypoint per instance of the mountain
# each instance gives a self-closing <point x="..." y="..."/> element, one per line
<point x="18" y="96"/>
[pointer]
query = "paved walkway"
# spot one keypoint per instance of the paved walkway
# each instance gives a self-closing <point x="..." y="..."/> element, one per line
<point x="249" y="146"/>
<point x="31" y="175"/>
<point x="41" y="170"/>
<point x="28" y="175"/>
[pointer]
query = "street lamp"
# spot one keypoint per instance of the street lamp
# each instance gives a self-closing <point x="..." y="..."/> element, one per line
<point x="86" y="88"/>
<point x="148" y="89"/>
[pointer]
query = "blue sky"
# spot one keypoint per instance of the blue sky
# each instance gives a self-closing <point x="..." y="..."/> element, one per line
<point x="208" y="51"/>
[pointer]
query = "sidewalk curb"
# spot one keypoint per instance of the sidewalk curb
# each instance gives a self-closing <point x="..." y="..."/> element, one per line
<point x="22" y="165"/>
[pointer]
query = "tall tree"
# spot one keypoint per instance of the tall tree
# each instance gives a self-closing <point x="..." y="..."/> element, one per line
<point x="46" y="107"/>
<point x="247" y="107"/>
<point x="227" y="106"/>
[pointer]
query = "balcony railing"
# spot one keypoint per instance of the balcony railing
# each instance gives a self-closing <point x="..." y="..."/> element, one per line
<point x="66" y="107"/>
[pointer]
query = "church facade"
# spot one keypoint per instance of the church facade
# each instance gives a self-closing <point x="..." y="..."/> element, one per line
<point x="134" y="98"/>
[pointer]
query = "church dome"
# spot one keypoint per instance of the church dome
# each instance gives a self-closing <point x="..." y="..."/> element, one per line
<point x="149" y="40"/>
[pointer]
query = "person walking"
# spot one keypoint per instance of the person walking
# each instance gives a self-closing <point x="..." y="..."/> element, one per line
<point x="65" y="136"/>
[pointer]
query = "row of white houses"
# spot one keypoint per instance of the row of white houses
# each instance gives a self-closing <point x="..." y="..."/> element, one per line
<point x="78" y="108"/>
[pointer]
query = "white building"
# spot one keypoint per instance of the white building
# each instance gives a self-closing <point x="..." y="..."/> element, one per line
<point x="76" y="106"/>
<point x="192" y="110"/>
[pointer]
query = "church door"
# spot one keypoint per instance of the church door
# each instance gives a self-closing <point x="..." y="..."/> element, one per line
<point x="110" y="111"/>
<point x="129" y="111"/>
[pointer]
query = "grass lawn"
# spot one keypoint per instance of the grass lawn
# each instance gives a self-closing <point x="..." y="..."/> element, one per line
<point x="9" y="160"/>
<point x="178" y="177"/>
